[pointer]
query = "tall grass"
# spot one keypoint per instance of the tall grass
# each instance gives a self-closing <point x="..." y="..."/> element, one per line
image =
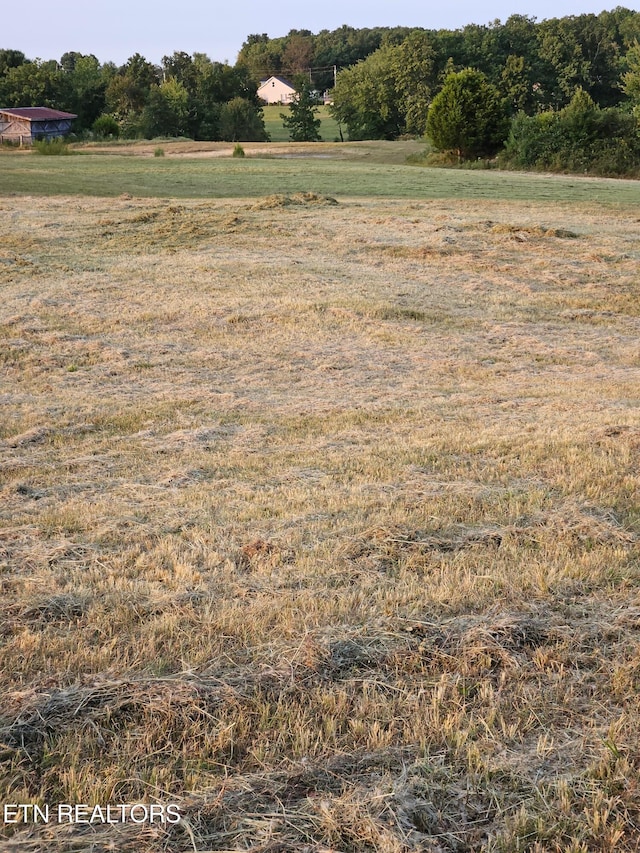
<point x="52" y="147"/>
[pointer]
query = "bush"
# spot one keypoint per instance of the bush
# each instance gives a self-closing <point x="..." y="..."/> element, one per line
<point x="579" y="138"/>
<point x="238" y="151"/>
<point x="106" y="126"/>
<point x="159" y="152"/>
<point x="51" y="146"/>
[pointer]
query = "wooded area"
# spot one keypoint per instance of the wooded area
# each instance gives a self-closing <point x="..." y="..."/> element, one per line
<point x="385" y="82"/>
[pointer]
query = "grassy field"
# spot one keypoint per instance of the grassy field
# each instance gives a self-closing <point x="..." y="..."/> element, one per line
<point x="206" y="170"/>
<point x="329" y="130"/>
<point x="319" y="518"/>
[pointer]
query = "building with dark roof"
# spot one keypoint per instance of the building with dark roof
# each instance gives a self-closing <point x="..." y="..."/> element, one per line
<point x="26" y="124"/>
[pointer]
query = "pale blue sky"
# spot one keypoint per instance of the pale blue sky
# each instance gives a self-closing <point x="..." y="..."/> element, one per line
<point x="118" y="28"/>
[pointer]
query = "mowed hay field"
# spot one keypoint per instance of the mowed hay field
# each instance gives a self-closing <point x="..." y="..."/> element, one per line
<point x="319" y="517"/>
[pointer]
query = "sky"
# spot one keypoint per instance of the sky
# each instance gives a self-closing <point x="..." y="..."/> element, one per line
<point x="117" y="29"/>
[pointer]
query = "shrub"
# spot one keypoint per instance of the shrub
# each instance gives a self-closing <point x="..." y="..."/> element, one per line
<point x="579" y="138"/>
<point x="106" y="126"/>
<point x="238" y="151"/>
<point x="159" y="152"/>
<point x="51" y="146"/>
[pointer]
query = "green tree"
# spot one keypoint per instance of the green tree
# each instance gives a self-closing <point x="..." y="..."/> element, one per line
<point x="181" y="67"/>
<point x="515" y="84"/>
<point x="388" y="93"/>
<point x="261" y="56"/>
<point x="240" y="120"/>
<point x="86" y="84"/>
<point x="35" y="84"/>
<point x="11" y="59"/>
<point x="301" y="122"/>
<point x="582" y="55"/>
<point x="365" y="98"/>
<point x="128" y="91"/>
<point x="631" y="77"/>
<point x="166" y="110"/>
<point x="217" y="84"/>
<point x="467" y="116"/>
<point x="413" y="68"/>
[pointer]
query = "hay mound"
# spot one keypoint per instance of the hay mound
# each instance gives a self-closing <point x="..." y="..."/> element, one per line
<point x="35" y="435"/>
<point x="523" y="231"/>
<point x="279" y="200"/>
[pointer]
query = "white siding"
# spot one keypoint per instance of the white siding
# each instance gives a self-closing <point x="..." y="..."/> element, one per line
<point x="275" y="91"/>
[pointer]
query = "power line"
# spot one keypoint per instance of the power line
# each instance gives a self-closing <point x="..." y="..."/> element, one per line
<point x="269" y="72"/>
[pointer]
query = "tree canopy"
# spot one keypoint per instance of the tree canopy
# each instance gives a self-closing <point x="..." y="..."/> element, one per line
<point x="387" y="77"/>
<point x="184" y="96"/>
<point x="467" y="116"/>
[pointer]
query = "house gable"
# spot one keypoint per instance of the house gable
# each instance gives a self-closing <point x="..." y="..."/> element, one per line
<point x="276" y="90"/>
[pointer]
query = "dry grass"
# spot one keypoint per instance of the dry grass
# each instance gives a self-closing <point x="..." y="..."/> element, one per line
<point x="322" y="521"/>
<point x="376" y="151"/>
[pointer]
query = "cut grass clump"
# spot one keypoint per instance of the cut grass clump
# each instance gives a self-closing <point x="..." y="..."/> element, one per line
<point x="534" y="231"/>
<point x="280" y="200"/>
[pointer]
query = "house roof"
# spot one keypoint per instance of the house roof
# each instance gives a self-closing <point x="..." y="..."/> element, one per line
<point x="279" y="79"/>
<point x="37" y="113"/>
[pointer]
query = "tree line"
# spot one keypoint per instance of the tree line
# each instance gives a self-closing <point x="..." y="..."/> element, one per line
<point x="534" y="67"/>
<point x="186" y="95"/>
<point x="526" y="82"/>
<point x="557" y="94"/>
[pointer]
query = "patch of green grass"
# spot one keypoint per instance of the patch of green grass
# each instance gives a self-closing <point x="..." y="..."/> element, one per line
<point x="97" y="175"/>
<point x="329" y="130"/>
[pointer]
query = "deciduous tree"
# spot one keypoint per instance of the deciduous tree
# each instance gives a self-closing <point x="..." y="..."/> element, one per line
<point x="631" y="77"/>
<point x="365" y="98"/>
<point x="166" y="111"/>
<point x="241" y="121"/>
<point x="467" y="116"/>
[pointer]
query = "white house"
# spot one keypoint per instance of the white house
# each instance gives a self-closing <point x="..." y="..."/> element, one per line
<point x="276" y="90"/>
